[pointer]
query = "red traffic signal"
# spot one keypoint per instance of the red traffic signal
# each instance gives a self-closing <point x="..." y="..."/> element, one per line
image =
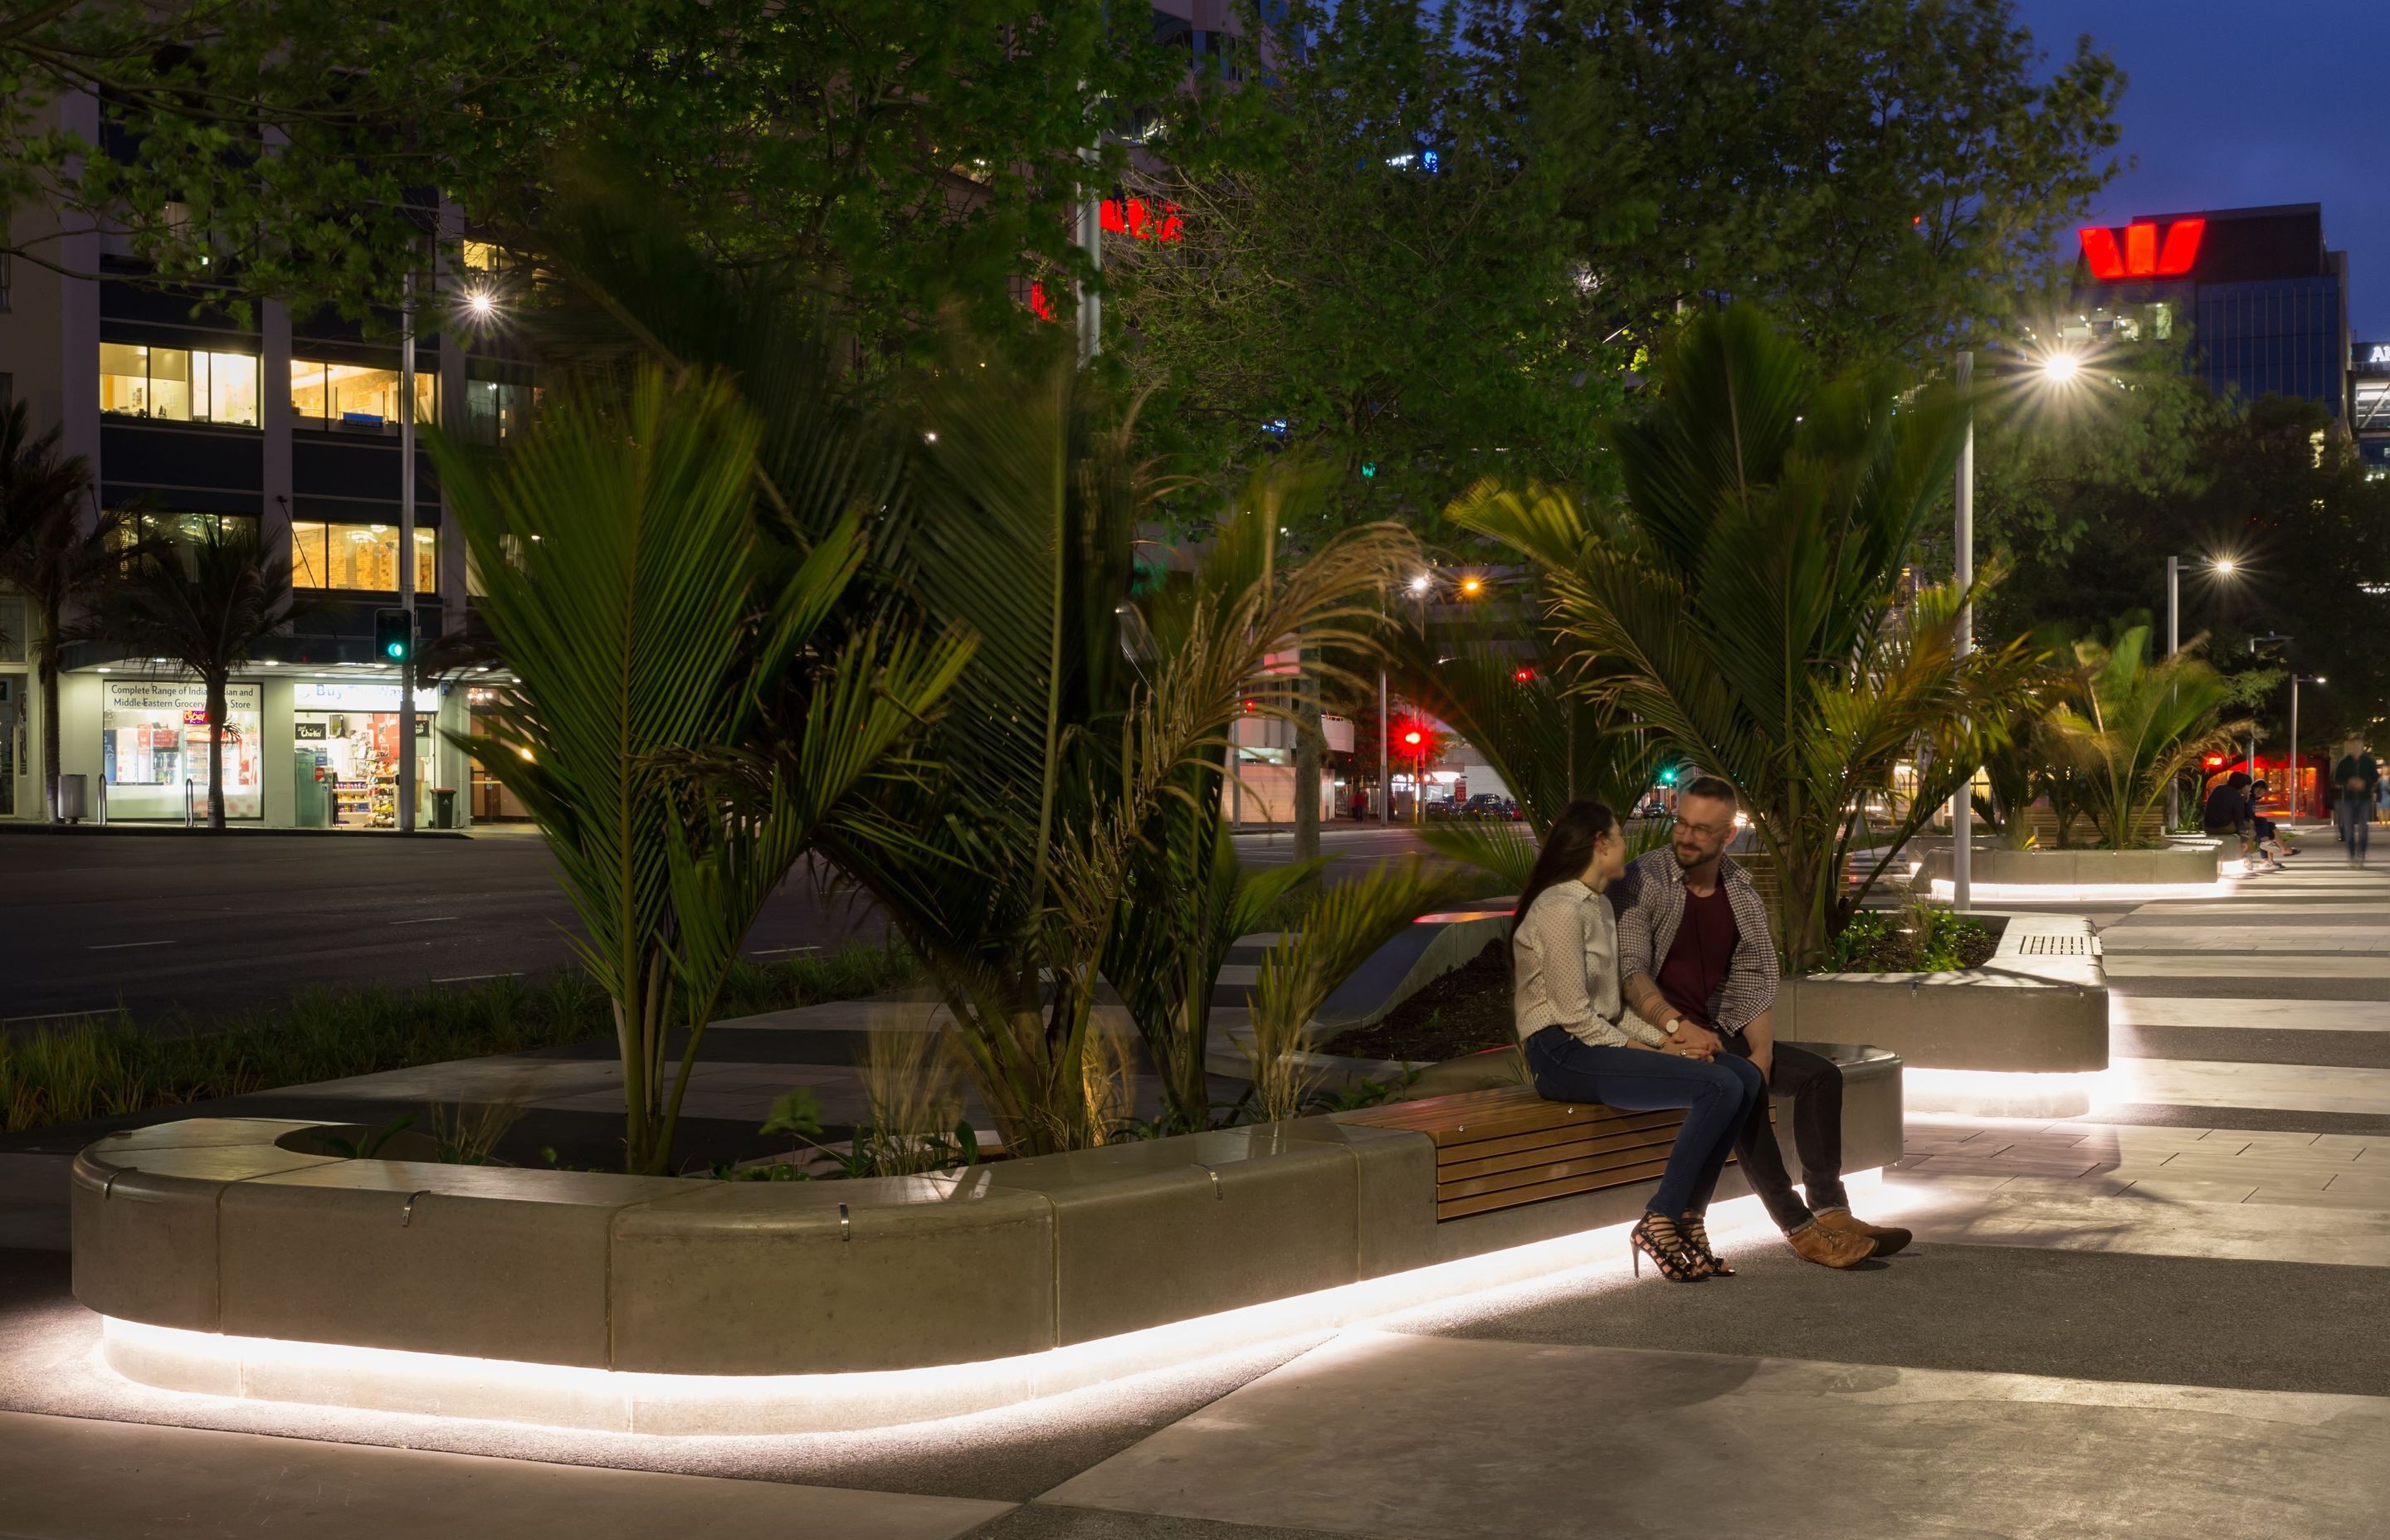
<point x="2213" y="761"/>
<point x="1524" y="676"/>
<point x="1412" y="737"/>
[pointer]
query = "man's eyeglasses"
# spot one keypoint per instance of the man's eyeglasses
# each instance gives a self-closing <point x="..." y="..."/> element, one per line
<point x="1715" y="831"/>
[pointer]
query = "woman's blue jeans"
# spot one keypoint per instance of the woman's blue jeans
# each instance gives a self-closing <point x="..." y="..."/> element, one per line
<point x="1716" y="1094"/>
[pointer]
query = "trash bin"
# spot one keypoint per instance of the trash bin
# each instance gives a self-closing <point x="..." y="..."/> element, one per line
<point x="443" y="807"/>
<point x="74" y="798"/>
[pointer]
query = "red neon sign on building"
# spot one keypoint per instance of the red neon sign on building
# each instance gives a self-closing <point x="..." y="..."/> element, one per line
<point x="2141" y="254"/>
<point x="1138" y="220"/>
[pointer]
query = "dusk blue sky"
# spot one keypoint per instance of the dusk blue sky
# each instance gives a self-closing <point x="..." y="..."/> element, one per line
<point x="2235" y="103"/>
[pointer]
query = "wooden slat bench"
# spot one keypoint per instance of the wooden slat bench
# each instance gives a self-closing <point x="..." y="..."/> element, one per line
<point x="1501" y="1149"/>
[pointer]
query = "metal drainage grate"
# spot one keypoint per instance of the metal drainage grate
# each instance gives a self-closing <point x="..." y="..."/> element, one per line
<point x="2054" y="946"/>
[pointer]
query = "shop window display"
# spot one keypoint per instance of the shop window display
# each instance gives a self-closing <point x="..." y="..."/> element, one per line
<point x="154" y="750"/>
<point x="350" y="732"/>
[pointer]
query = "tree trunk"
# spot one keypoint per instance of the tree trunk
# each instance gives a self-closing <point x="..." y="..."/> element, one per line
<point x="1307" y="762"/>
<point x="48" y="663"/>
<point x="216" y="693"/>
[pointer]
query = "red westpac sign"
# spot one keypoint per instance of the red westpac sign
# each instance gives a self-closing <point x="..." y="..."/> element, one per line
<point x="2141" y="250"/>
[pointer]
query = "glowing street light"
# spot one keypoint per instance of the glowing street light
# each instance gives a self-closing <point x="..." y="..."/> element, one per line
<point x="1421" y="584"/>
<point x="1473" y="585"/>
<point x="2223" y="565"/>
<point x="2060" y="368"/>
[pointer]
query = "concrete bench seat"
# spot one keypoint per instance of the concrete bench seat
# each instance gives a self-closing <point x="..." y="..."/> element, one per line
<point x="594" y="1300"/>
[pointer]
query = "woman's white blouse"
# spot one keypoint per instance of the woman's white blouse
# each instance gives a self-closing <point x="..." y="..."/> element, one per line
<point x="1565" y="962"/>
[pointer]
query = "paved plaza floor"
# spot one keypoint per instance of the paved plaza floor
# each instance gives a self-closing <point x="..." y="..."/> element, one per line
<point x="2163" y="1319"/>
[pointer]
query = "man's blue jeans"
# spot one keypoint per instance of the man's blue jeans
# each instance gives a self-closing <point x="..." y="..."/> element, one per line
<point x="1717" y="1096"/>
<point x="2355" y="816"/>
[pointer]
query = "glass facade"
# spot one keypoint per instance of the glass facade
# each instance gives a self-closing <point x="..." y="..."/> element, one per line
<point x="356" y="398"/>
<point x="177" y="384"/>
<point x="494" y="410"/>
<point x="2282" y="337"/>
<point x="359" y="557"/>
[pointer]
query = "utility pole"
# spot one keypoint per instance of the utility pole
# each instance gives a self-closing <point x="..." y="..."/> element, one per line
<point x="2174" y="644"/>
<point x="1091" y="241"/>
<point x="406" y="769"/>
<point x="1963" y="541"/>
<point x="1385" y="786"/>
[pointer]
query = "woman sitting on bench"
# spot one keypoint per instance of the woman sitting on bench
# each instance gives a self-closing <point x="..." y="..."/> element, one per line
<point x="1582" y="1045"/>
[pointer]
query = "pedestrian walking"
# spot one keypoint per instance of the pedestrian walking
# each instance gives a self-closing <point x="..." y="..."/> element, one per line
<point x="2358" y="779"/>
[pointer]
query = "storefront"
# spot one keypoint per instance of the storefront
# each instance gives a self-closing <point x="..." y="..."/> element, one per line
<point x="303" y="747"/>
<point x="153" y="751"/>
<point x="345" y="749"/>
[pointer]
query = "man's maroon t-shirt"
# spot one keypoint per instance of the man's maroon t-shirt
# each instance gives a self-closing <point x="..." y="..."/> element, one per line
<point x="1698" y="958"/>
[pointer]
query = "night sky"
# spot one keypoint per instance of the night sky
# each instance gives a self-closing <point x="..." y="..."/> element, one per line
<point x="2238" y="103"/>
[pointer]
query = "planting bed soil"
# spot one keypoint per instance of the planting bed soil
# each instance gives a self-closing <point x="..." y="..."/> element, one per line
<point x="1465" y="1010"/>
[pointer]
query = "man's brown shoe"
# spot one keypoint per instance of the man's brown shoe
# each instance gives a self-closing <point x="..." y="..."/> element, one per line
<point x="1887" y="1238"/>
<point x="1829" y="1247"/>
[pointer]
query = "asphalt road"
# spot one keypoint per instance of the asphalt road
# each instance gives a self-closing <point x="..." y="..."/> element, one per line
<point x="159" y="923"/>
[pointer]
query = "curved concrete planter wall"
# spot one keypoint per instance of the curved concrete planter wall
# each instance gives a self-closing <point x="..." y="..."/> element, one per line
<point x="2021" y="1036"/>
<point x="229" y="1265"/>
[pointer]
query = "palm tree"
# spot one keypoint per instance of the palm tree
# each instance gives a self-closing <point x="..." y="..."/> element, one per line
<point x="699" y="701"/>
<point x="2132" y="726"/>
<point x="52" y="554"/>
<point x="1503" y="682"/>
<point x="1747" y="604"/>
<point x="1084" y="729"/>
<point x="203" y="605"/>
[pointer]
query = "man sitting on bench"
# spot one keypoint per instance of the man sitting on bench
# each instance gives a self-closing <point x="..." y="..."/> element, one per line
<point x="1696" y="956"/>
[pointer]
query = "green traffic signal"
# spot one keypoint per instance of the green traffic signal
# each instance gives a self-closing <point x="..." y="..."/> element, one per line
<point x="394" y="637"/>
<point x="1668" y="777"/>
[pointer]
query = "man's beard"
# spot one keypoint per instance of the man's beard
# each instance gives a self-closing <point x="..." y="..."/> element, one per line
<point x="1683" y="864"/>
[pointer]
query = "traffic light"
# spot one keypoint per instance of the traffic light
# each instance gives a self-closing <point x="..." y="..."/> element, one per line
<point x="1668" y="777"/>
<point x="1412" y="737"/>
<point x="394" y="635"/>
<point x="1524" y="675"/>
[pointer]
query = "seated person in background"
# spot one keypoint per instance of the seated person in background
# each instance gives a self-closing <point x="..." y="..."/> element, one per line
<point x="2270" y="837"/>
<point x="2227" y="814"/>
<point x="1581" y="1045"/>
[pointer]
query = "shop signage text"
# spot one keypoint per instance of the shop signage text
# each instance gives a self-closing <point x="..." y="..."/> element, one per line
<point x="190" y="702"/>
<point x="309" y="695"/>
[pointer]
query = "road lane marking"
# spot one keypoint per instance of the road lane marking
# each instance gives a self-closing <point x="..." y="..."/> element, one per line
<point x="427" y="919"/>
<point x="120" y="945"/>
<point x="468" y="978"/>
<point x="768" y="951"/>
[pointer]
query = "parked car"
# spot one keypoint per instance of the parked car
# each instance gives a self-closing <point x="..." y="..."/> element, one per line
<point x="1488" y="804"/>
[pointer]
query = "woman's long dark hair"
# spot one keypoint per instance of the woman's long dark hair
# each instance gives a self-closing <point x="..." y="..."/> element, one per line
<point x="1568" y="850"/>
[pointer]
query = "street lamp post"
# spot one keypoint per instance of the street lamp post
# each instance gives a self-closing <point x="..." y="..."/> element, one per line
<point x="2296" y="681"/>
<point x="406" y="767"/>
<point x="2249" y="766"/>
<point x="1962" y="814"/>
<point x="2222" y="567"/>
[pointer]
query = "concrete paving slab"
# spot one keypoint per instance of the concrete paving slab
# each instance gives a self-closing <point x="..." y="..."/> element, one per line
<point x="2216" y="1083"/>
<point x="2142" y="1219"/>
<point x="75" y="1479"/>
<point x="1426" y="1437"/>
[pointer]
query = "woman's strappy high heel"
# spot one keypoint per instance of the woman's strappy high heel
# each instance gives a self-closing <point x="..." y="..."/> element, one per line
<point x="1697" y="1243"/>
<point x="1656" y="1236"/>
